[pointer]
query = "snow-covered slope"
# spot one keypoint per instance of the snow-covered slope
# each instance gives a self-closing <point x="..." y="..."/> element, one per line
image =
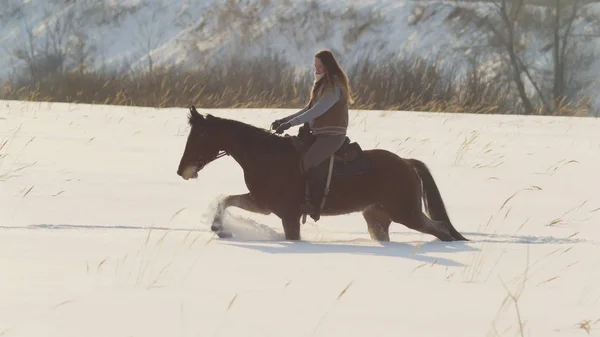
<point x="117" y="32"/>
<point x="100" y="237"/>
<point x="175" y="31"/>
<point x="195" y="33"/>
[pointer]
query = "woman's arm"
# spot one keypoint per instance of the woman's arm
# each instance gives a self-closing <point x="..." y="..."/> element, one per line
<point x="325" y="102"/>
<point x="294" y="115"/>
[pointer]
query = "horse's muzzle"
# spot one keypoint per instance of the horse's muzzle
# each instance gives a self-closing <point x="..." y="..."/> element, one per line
<point x="189" y="172"/>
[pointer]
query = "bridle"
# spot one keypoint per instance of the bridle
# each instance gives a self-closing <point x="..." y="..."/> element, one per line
<point x="220" y="154"/>
<point x="202" y="164"/>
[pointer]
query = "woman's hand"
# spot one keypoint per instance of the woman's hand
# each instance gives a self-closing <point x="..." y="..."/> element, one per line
<point x="282" y="127"/>
<point x="277" y="123"/>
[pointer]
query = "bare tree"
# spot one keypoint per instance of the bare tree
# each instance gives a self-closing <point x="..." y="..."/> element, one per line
<point x="150" y="34"/>
<point x="570" y="55"/>
<point x="508" y="30"/>
<point x="502" y="35"/>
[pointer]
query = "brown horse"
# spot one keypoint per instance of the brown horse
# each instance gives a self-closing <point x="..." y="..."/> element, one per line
<point x="378" y="183"/>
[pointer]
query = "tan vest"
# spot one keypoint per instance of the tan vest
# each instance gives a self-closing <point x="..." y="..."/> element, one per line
<point x="334" y="121"/>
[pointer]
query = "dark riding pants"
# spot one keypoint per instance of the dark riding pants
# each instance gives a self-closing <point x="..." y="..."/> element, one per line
<point x="323" y="147"/>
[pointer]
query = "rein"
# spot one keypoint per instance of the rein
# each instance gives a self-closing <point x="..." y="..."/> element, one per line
<point x="202" y="163"/>
<point x="224" y="153"/>
<point x="220" y="154"/>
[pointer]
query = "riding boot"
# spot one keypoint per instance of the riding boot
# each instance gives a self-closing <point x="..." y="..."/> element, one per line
<point x="315" y="182"/>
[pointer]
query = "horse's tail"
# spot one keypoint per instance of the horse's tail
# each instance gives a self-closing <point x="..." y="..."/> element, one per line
<point x="432" y="198"/>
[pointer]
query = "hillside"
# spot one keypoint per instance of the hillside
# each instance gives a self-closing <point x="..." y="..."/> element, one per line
<point x="171" y="32"/>
<point x="142" y="35"/>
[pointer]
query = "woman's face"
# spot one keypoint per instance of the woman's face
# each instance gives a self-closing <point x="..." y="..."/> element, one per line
<point x="319" y="68"/>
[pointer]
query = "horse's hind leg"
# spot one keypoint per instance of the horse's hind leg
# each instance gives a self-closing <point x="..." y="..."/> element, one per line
<point x="436" y="228"/>
<point x="378" y="223"/>
<point x="418" y="221"/>
<point x="243" y="201"/>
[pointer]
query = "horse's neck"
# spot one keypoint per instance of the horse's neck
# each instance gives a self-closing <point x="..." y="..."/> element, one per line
<point x="235" y="149"/>
<point x="251" y="153"/>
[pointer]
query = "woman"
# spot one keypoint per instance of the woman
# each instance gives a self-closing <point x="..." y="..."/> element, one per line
<point x="327" y="116"/>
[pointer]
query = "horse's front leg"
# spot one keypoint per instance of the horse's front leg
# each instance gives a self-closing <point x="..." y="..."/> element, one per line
<point x="243" y="201"/>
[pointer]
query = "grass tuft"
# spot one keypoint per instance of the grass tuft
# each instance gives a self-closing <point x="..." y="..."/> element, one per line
<point x="345" y="290"/>
<point x="231" y="302"/>
<point x="586" y="325"/>
<point x="514" y="297"/>
<point x="28" y="190"/>
<point x="410" y="83"/>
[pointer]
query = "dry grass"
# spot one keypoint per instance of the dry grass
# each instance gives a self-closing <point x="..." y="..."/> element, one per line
<point x="474" y="270"/>
<point x="411" y="84"/>
<point x="586" y="325"/>
<point x="8" y="170"/>
<point x="152" y="266"/>
<point x="465" y="146"/>
<point x="333" y="304"/>
<point x="513" y="298"/>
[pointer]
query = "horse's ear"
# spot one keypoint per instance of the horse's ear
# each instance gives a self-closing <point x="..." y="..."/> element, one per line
<point x="194" y="115"/>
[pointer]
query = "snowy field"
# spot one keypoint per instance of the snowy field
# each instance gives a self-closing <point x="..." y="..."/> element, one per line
<point x="100" y="237"/>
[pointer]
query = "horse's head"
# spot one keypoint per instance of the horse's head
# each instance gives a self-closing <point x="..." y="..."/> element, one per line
<point x="200" y="148"/>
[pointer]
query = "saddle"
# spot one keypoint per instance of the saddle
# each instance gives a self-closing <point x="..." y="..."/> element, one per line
<point x="348" y="159"/>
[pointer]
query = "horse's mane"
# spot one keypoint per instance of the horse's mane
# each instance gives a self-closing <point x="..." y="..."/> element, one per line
<point x="251" y="135"/>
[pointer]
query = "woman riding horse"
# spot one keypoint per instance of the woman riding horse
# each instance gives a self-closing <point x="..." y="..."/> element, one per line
<point x="326" y="116"/>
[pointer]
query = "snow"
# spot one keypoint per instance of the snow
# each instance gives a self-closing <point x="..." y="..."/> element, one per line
<point x="193" y="32"/>
<point x="100" y="237"/>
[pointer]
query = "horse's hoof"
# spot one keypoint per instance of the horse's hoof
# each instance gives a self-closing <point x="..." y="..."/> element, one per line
<point x="224" y="234"/>
<point x="216" y="226"/>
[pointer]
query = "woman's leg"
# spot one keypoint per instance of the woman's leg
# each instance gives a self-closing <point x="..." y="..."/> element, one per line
<point x="316" y="174"/>
<point x="323" y="147"/>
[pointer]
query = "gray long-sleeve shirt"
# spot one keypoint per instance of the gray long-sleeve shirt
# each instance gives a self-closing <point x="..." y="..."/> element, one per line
<point x="324" y="103"/>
